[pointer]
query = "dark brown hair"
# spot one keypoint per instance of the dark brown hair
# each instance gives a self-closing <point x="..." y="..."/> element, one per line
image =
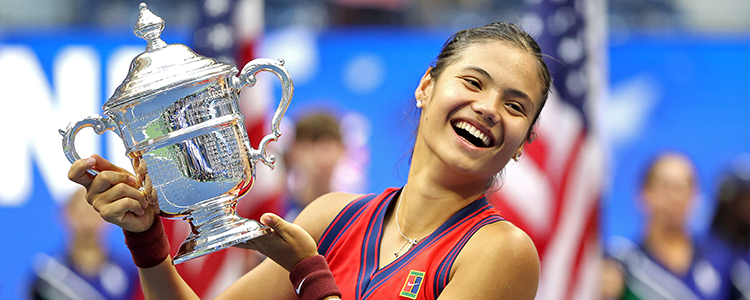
<point x="653" y="165"/>
<point x="731" y="220"/>
<point x="318" y="126"/>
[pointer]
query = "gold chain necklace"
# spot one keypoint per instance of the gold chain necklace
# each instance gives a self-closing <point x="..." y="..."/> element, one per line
<point x="409" y="242"/>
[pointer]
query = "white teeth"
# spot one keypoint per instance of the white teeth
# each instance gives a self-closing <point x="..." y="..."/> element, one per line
<point x="474" y="131"/>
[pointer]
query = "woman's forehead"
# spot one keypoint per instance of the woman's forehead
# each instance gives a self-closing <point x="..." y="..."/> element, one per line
<point x="506" y="63"/>
<point x="494" y="52"/>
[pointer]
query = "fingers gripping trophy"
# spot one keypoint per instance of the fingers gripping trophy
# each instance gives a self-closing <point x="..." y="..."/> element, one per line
<point x="178" y="115"/>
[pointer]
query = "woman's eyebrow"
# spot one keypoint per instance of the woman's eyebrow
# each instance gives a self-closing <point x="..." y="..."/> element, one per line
<point x="478" y="70"/>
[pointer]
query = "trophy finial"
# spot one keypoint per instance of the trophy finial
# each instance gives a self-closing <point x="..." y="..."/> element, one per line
<point x="149" y="28"/>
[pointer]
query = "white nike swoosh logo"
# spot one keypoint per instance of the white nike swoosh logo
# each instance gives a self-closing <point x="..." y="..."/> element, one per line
<point x="411" y="284"/>
<point x="299" y="287"/>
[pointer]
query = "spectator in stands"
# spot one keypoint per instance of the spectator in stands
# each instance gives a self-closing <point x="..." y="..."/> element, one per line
<point x="86" y="270"/>
<point x="311" y="160"/>
<point x="669" y="263"/>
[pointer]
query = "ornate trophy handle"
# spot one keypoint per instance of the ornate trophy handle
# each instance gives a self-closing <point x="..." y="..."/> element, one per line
<point x="100" y="124"/>
<point x="247" y="78"/>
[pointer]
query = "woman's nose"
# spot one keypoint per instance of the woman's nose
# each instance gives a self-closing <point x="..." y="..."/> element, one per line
<point x="487" y="109"/>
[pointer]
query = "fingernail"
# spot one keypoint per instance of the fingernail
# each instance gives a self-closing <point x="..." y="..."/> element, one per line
<point x="132" y="179"/>
<point x="266" y="219"/>
<point x="91" y="160"/>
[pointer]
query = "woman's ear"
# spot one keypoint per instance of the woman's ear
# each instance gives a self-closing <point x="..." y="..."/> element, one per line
<point x="519" y="152"/>
<point x="424" y="89"/>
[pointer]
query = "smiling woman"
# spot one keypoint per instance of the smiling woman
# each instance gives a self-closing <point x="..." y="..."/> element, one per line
<point x="436" y="237"/>
<point x="484" y="95"/>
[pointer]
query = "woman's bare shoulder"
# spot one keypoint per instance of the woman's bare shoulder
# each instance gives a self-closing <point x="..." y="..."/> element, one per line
<point x="504" y="240"/>
<point x="321" y="212"/>
<point x="505" y="235"/>
<point x="497" y="248"/>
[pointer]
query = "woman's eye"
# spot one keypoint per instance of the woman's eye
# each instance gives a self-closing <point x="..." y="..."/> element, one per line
<point x="473" y="82"/>
<point x="516" y="107"/>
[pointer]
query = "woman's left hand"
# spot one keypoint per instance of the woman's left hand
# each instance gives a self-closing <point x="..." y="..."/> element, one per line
<point x="287" y="245"/>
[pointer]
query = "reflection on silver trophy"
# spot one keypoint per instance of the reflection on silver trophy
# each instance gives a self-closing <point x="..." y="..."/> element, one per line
<point x="178" y="115"/>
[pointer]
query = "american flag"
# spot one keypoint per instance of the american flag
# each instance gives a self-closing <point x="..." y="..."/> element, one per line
<point x="553" y="193"/>
<point x="229" y="31"/>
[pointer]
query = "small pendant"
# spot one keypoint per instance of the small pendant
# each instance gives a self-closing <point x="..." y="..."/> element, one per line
<point x="409" y="242"/>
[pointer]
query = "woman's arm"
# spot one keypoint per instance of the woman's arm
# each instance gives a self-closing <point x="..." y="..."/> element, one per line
<point x="163" y="282"/>
<point x="499" y="262"/>
<point x="114" y="194"/>
<point x="289" y="244"/>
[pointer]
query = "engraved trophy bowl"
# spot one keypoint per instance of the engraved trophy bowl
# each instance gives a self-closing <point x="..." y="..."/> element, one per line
<point x="178" y="115"/>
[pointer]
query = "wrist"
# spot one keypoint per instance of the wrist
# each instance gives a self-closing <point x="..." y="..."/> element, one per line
<point x="148" y="248"/>
<point x="312" y="279"/>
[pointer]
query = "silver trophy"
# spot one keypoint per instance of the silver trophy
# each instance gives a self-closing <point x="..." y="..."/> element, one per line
<point x="178" y="115"/>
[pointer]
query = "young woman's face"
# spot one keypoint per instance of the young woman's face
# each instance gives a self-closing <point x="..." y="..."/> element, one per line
<point x="477" y="113"/>
<point x="670" y="194"/>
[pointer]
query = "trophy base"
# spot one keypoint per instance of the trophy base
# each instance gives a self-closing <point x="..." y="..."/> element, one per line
<point x="221" y="228"/>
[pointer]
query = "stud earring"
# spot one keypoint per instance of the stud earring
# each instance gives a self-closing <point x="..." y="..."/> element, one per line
<point x="516" y="157"/>
<point x="419" y="103"/>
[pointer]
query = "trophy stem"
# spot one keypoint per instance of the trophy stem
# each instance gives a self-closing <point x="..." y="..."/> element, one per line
<point x="215" y="226"/>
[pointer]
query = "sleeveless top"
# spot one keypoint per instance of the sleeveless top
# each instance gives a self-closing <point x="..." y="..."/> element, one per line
<point x="351" y="245"/>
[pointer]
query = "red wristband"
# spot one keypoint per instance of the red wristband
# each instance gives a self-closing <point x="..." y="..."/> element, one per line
<point x="313" y="280"/>
<point x="148" y="248"/>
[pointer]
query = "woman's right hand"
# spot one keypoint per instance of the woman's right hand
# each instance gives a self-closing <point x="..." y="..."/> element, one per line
<point x="114" y="193"/>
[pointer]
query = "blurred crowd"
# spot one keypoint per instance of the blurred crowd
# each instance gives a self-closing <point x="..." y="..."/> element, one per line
<point x="668" y="261"/>
<point x="659" y="15"/>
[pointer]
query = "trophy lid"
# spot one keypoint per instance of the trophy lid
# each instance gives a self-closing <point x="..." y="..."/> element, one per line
<point x="162" y="67"/>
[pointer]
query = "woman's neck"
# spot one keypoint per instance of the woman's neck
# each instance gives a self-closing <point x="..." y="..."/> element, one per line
<point x="434" y="191"/>
<point x="670" y="245"/>
<point x="431" y="178"/>
<point x="87" y="255"/>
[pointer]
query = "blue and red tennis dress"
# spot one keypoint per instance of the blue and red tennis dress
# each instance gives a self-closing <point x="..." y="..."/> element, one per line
<point x="351" y="246"/>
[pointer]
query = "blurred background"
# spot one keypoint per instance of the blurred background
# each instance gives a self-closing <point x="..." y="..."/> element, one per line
<point x="659" y="75"/>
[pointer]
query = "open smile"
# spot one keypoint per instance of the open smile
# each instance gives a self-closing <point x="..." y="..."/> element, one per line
<point x="472" y="134"/>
